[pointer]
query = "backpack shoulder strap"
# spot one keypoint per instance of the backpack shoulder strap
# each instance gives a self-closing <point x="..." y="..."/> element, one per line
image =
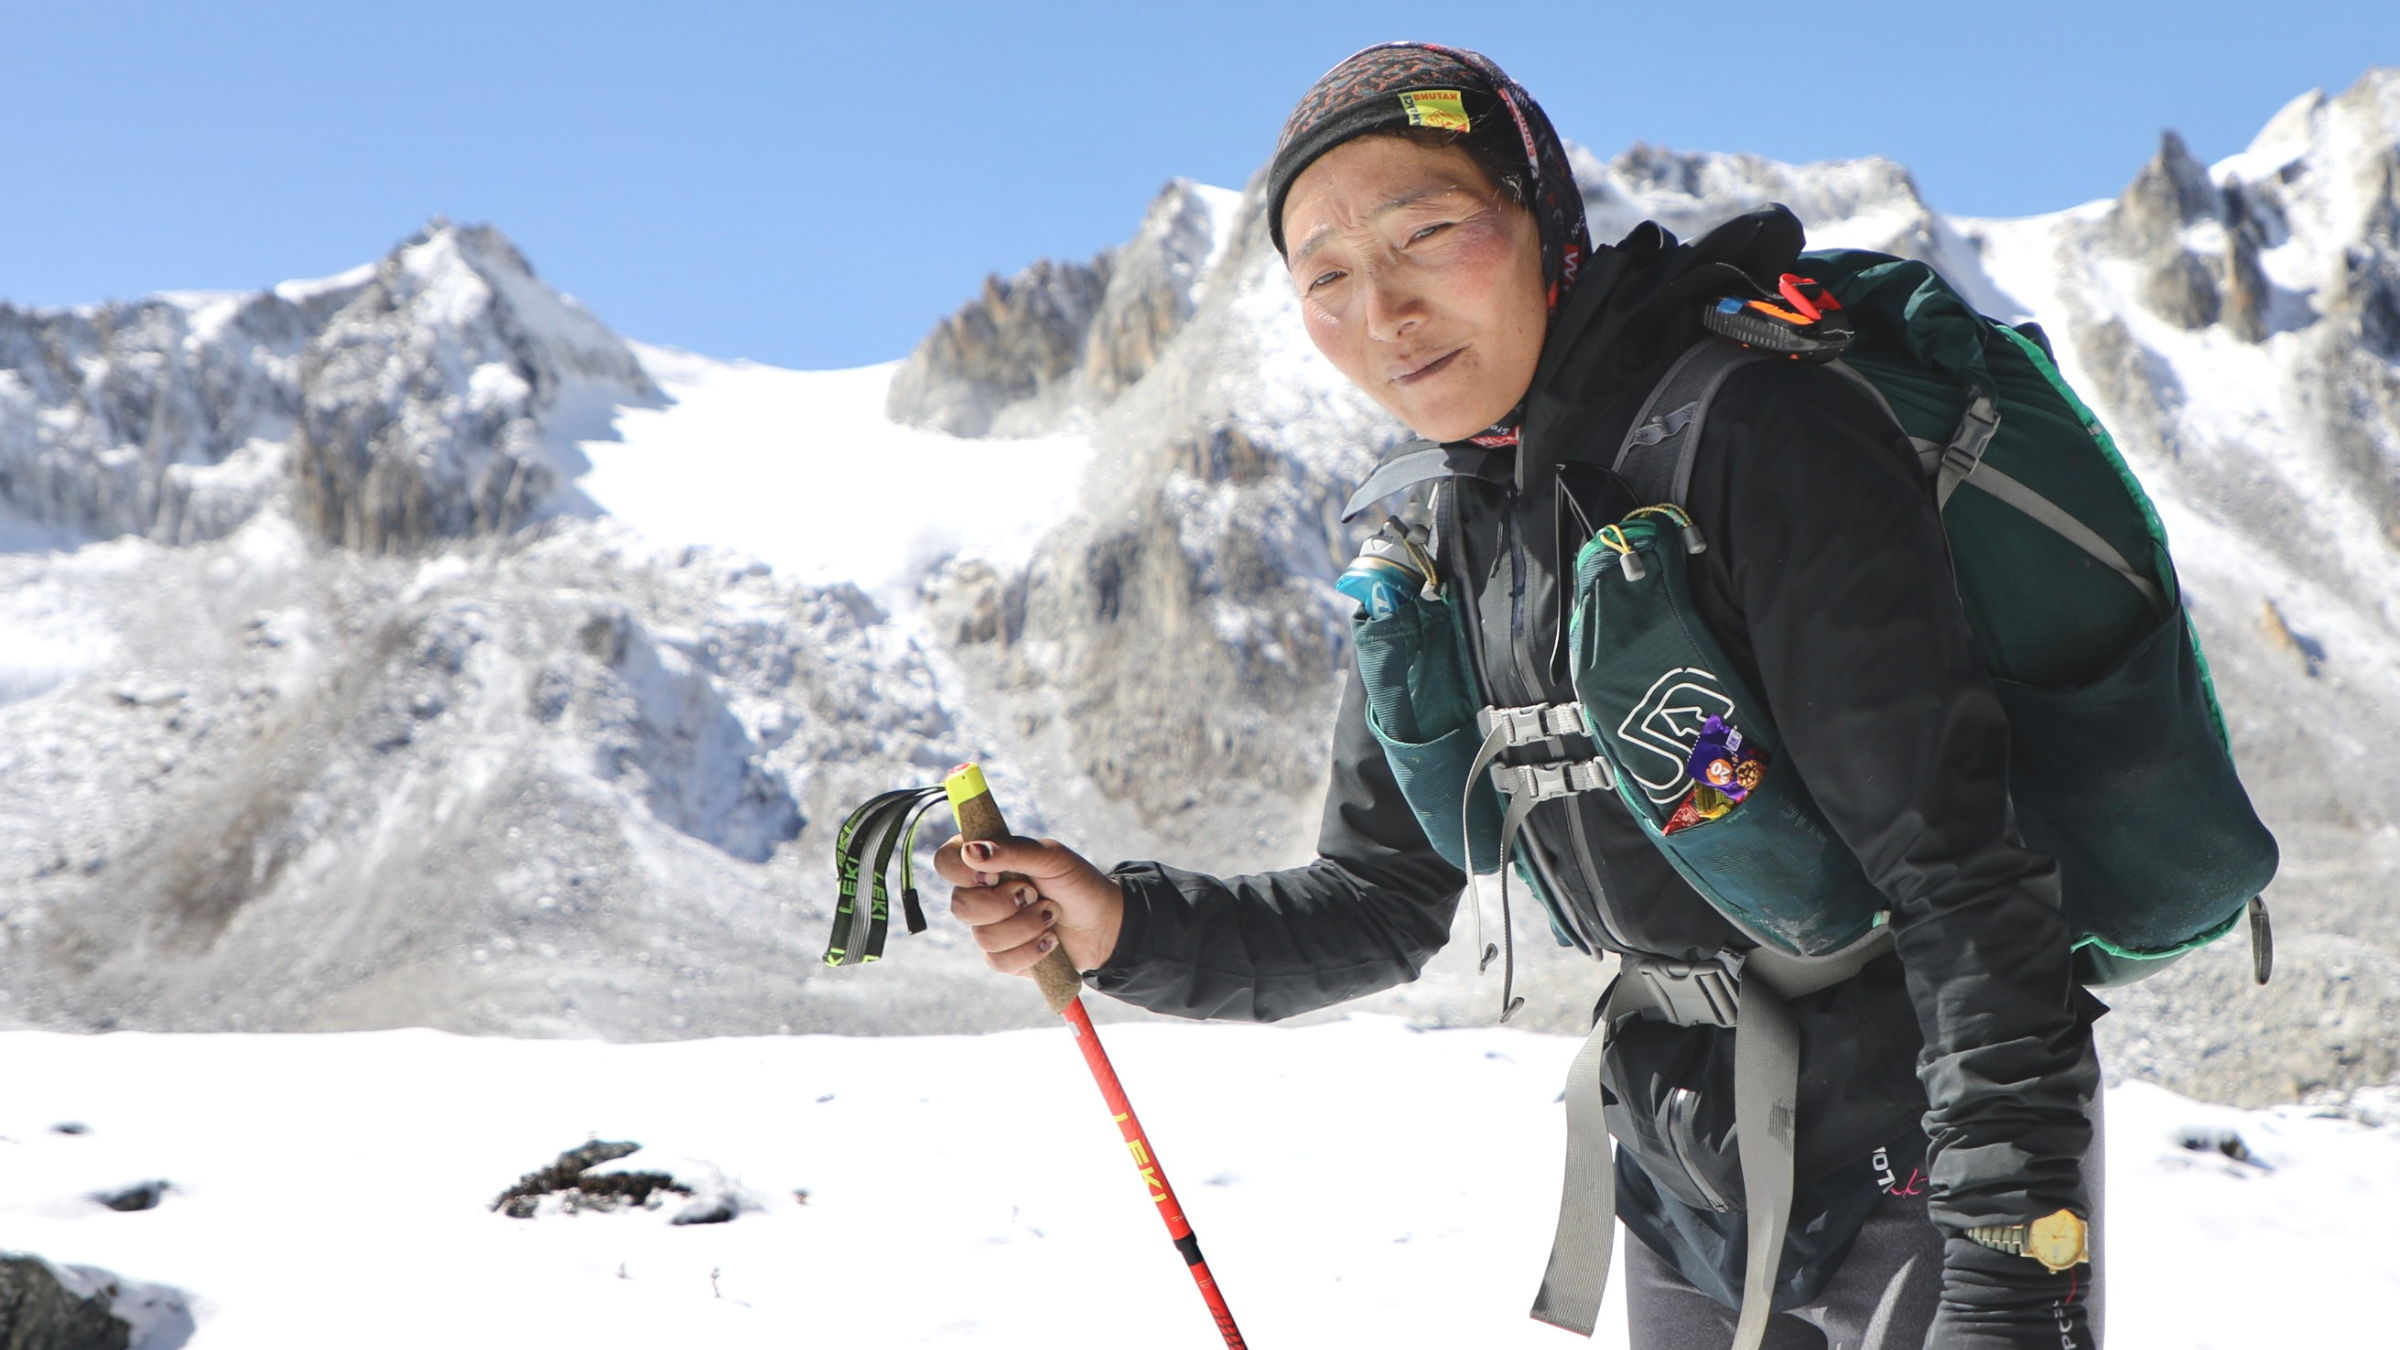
<point x="1422" y="461"/>
<point x="1656" y="458"/>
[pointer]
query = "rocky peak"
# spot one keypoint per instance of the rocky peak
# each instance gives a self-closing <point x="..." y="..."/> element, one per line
<point x="2172" y="191"/>
<point x="425" y="398"/>
<point x="404" y="402"/>
<point x="1016" y="343"/>
<point x="1062" y="337"/>
<point x="1155" y="285"/>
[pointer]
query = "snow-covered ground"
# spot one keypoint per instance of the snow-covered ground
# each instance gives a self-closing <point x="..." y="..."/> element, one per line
<point x="831" y="489"/>
<point x="1356" y="1183"/>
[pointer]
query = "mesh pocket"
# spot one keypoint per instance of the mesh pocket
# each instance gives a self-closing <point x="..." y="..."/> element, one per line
<point x="1421" y="708"/>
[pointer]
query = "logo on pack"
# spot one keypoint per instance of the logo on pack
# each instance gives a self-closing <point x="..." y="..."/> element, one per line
<point x="1441" y="109"/>
<point x="1665" y="726"/>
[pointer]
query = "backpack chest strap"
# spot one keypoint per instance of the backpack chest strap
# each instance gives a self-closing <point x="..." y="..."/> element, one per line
<point x="1556" y="758"/>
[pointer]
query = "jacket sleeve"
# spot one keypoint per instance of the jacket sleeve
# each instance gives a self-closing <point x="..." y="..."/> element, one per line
<point x="1366" y="915"/>
<point x="1836" y="577"/>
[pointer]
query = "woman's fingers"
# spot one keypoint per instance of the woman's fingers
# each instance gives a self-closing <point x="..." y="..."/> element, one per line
<point x="1028" y="925"/>
<point x="999" y="882"/>
<point x="950" y="864"/>
<point x="979" y="905"/>
<point x="1010" y="922"/>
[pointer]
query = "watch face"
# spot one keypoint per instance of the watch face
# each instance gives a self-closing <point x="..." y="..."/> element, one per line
<point x="2057" y="1241"/>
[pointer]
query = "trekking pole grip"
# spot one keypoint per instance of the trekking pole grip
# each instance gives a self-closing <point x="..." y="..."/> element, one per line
<point x="979" y="818"/>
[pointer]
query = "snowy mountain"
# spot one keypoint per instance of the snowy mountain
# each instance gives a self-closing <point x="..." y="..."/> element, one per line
<point x="408" y="649"/>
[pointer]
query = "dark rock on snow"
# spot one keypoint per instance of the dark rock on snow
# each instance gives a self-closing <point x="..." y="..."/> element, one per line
<point x="135" y="1198"/>
<point x="570" y="1178"/>
<point x="39" y="1313"/>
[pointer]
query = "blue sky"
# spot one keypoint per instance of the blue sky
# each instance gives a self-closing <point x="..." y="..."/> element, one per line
<point x="814" y="185"/>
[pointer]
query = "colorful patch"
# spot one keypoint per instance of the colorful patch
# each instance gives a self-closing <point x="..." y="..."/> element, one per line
<point x="1441" y="109"/>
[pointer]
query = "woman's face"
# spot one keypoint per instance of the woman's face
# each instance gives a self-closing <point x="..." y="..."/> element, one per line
<point x="1419" y="280"/>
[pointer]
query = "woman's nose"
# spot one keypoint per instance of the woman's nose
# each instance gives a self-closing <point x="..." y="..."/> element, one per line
<point x="1393" y="305"/>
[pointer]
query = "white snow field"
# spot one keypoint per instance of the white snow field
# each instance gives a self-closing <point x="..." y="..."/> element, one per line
<point x="832" y="490"/>
<point x="1355" y="1183"/>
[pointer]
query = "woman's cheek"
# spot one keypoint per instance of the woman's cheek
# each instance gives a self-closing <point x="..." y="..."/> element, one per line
<point x="1325" y="329"/>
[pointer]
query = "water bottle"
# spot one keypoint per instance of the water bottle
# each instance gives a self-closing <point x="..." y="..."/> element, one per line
<point x="1392" y="569"/>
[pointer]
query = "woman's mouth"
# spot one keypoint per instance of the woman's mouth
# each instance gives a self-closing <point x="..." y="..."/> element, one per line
<point x="1431" y="368"/>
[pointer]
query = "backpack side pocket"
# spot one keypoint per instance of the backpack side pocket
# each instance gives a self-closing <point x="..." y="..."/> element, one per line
<point x="1421" y="705"/>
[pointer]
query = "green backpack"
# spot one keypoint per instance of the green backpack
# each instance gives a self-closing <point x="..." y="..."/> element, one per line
<point x="2119" y="762"/>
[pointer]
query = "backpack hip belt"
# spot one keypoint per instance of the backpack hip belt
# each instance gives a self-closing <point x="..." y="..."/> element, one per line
<point x="1748" y="992"/>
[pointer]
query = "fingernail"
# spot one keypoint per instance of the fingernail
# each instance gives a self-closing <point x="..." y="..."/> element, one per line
<point x="1023" y="896"/>
<point x="1049" y="914"/>
<point x="980" y="852"/>
<point x="1045" y="945"/>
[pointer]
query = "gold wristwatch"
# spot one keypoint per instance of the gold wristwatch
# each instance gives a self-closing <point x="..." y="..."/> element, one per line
<point x="2059" y="1241"/>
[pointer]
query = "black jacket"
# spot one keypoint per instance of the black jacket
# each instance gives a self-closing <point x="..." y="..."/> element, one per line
<point x="1827" y="583"/>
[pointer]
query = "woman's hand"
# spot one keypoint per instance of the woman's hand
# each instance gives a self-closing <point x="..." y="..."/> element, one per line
<point x="1055" y="897"/>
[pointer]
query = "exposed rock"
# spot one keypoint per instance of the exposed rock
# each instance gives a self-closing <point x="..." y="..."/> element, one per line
<point x="38" y="1312"/>
<point x="1688" y="192"/>
<point x="571" y="1178"/>
<point x="2307" y="650"/>
<point x="135" y="1198"/>
<point x="1150" y="289"/>
<point x="151" y="418"/>
<point x="2246" y="288"/>
<point x="2140" y="391"/>
<point x="1226" y="454"/>
<point x="2183" y="291"/>
<point x="2207" y="1029"/>
<point x="2172" y="191"/>
<point x="2190" y="290"/>
<point x="403" y="441"/>
<point x="1059" y="337"/>
<point x="409" y="402"/>
<point x="1019" y="342"/>
<point x="969" y="601"/>
<point x="2367" y="295"/>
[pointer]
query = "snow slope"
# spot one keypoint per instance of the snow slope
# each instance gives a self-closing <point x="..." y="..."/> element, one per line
<point x="1353" y="1184"/>
<point x="831" y="489"/>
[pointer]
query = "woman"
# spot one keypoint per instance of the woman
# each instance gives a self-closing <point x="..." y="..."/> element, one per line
<point x="1436" y="238"/>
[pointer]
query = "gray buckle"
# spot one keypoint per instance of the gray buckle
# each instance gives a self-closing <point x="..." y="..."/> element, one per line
<point x="1534" y="724"/>
<point x="1693" y="993"/>
<point x="1974" y="435"/>
<point x="1541" y="782"/>
<point x="1546" y="725"/>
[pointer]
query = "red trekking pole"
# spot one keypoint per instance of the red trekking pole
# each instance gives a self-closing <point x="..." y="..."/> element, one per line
<point x="887" y="826"/>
